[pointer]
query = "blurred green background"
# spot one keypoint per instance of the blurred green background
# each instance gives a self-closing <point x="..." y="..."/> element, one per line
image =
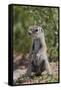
<point x="25" y="16"/>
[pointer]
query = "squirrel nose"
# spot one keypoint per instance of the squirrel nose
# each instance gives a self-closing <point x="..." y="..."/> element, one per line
<point x="29" y="32"/>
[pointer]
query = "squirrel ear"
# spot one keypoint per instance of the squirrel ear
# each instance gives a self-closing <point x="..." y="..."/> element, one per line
<point x="42" y="29"/>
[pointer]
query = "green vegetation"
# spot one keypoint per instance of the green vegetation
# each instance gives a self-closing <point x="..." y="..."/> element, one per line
<point x="25" y="16"/>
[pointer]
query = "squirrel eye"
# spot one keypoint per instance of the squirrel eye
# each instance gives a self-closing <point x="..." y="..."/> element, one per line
<point x="36" y="30"/>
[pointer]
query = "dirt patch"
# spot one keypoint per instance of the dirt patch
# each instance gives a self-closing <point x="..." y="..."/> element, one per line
<point x="20" y="68"/>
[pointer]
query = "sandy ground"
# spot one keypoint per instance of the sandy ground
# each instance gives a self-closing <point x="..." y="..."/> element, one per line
<point x="20" y="68"/>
